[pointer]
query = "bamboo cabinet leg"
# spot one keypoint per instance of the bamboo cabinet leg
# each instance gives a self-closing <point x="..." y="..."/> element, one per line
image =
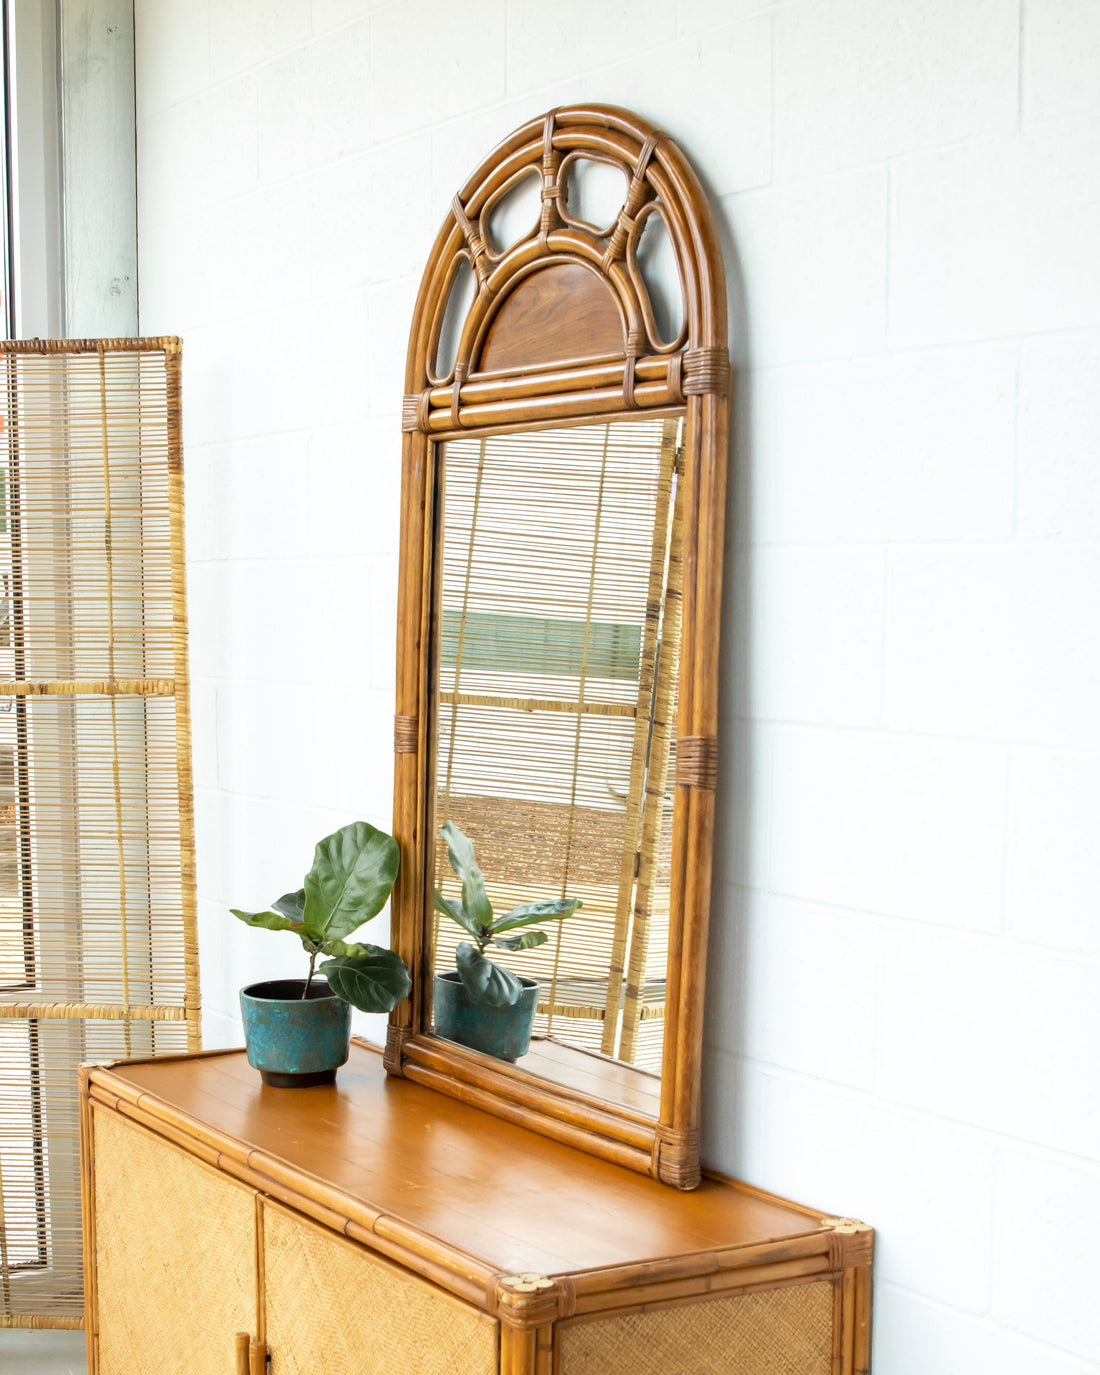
<point x="854" y="1243"/>
<point x="861" y="1324"/>
<point x="517" y="1350"/>
<point x="526" y="1351"/>
<point x="527" y="1305"/>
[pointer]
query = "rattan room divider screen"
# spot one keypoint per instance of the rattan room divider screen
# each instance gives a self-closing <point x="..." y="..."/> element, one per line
<point x="98" y="952"/>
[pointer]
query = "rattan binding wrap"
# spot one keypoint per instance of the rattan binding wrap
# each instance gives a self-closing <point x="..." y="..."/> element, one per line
<point x="396" y="1038"/>
<point x="697" y="761"/>
<point x="786" y="1331"/>
<point x="706" y="370"/>
<point x="310" y="1272"/>
<point x="676" y="1155"/>
<point x="404" y="734"/>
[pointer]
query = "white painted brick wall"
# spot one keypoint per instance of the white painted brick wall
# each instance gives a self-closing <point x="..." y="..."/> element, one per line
<point x="904" y="1004"/>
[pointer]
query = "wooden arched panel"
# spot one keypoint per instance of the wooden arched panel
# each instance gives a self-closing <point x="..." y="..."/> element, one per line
<point x="561" y="313"/>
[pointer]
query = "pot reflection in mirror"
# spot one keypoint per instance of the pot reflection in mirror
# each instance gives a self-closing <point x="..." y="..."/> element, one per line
<point x="556" y="665"/>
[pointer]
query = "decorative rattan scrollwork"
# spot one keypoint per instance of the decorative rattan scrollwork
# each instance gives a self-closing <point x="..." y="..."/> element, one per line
<point x="650" y="373"/>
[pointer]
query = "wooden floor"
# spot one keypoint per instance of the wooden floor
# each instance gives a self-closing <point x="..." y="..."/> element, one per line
<point x="42" y="1353"/>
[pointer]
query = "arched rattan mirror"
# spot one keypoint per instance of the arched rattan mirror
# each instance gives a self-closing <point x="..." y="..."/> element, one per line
<point x="565" y="433"/>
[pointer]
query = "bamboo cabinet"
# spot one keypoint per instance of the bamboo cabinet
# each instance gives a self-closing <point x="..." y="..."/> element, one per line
<point x="379" y="1227"/>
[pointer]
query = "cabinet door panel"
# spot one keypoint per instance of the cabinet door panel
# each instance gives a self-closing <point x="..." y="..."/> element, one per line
<point x="174" y="1253"/>
<point x="332" y="1306"/>
<point x="773" y="1332"/>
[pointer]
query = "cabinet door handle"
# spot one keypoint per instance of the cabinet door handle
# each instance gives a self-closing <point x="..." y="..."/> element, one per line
<point x="251" y="1355"/>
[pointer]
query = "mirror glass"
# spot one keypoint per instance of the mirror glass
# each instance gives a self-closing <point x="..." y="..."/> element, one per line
<point x="557" y="567"/>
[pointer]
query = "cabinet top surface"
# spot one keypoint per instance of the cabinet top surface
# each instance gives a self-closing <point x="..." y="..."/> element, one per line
<point x="514" y="1199"/>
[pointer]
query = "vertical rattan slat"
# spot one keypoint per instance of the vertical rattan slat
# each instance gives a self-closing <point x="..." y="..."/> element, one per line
<point x="655" y="603"/>
<point x="646" y="904"/>
<point x="98" y="952"/>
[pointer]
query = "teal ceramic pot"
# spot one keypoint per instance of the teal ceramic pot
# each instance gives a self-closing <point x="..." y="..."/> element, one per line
<point x="295" y="1042"/>
<point x="503" y="1032"/>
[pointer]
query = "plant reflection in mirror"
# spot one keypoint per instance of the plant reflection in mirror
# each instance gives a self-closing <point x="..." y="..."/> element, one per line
<point x="484" y="980"/>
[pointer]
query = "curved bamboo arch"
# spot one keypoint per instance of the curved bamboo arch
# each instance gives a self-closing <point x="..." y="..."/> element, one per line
<point x="554" y="273"/>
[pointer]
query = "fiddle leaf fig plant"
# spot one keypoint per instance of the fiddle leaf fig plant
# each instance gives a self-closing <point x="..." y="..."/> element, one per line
<point x="484" y="980"/>
<point x="353" y="873"/>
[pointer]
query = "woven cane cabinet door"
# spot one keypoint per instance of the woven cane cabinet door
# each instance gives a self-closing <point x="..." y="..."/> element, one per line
<point x="786" y="1331"/>
<point x="174" y="1256"/>
<point x="332" y="1306"/>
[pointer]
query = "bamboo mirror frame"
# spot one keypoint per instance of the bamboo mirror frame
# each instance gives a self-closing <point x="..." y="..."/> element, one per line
<point x="561" y="331"/>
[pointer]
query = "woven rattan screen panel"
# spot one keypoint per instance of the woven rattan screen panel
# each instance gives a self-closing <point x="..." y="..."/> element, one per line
<point x="330" y="1306"/>
<point x="175" y="1256"/>
<point x="778" y="1332"/>
<point x="97" y="932"/>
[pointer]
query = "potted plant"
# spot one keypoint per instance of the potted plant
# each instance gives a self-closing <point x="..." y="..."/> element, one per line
<point x="297" y="1031"/>
<point x="480" y="1003"/>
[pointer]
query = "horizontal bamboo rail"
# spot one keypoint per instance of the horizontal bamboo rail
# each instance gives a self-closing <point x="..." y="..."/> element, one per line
<point x="643" y="1292"/>
<point x="582" y="1137"/>
<point x="527" y="1090"/>
<point x="41" y="1321"/>
<point x="734" y="1260"/>
<point x="473" y="699"/>
<point x="111" y="1012"/>
<point x="582" y="377"/>
<point x="97" y="687"/>
<point x="532" y="409"/>
<point x="170" y="343"/>
<point x="586" y="1012"/>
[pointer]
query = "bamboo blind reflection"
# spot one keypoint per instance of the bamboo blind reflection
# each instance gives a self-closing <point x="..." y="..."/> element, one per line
<point x="98" y="956"/>
<point x="556" y="651"/>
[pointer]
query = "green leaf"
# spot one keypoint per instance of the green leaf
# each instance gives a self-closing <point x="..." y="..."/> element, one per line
<point x="345" y="949"/>
<point x="270" y="921"/>
<point x="352" y="875"/>
<point x="528" y="913"/>
<point x="475" y="900"/>
<point x="527" y="941"/>
<point x="375" y="981"/>
<point x="292" y="905"/>
<point x="450" y="907"/>
<point x="485" y="981"/>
